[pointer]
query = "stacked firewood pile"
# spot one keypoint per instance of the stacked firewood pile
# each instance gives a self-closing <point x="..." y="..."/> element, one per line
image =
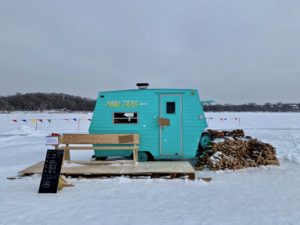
<point x="233" y="150"/>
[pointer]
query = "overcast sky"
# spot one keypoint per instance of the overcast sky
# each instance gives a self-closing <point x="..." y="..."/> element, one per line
<point x="230" y="50"/>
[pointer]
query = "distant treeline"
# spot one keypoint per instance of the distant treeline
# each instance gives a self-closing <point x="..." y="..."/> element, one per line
<point x="44" y="102"/>
<point x="252" y="107"/>
<point x="64" y="102"/>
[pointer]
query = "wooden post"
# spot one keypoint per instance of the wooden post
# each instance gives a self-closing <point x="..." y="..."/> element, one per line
<point x="135" y="155"/>
<point x="67" y="153"/>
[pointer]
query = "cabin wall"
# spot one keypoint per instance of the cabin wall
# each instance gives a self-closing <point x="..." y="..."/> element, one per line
<point x="147" y="110"/>
<point x="194" y="123"/>
<point x="147" y="104"/>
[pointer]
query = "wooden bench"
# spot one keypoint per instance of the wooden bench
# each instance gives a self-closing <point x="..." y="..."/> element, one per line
<point x="127" y="142"/>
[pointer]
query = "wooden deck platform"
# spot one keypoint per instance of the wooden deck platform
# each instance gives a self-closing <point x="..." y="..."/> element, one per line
<point x="156" y="169"/>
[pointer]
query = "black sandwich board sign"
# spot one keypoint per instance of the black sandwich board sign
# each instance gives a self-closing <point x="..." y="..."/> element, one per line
<point x="51" y="171"/>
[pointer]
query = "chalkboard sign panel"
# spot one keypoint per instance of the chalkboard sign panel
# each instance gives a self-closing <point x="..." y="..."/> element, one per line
<point x="51" y="171"/>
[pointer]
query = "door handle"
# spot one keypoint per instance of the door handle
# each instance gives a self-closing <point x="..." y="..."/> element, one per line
<point x="164" y="122"/>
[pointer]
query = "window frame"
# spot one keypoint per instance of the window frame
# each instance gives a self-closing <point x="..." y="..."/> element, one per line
<point x="128" y="123"/>
<point x="173" y="107"/>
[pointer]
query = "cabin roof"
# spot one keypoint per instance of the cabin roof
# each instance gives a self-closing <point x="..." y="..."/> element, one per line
<point x="151" y="90"/>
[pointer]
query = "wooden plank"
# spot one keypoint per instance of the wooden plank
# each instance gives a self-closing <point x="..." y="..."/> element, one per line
<point x="123" y="139"/>
<point x="143" y="168"/>
<point x="98" y="139"/>
<point x="34" y="169"/>
<point x="96" y="148"/>
<point x="100" y="162"/>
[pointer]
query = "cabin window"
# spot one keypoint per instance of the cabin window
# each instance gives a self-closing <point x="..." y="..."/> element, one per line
<point x="170" y="107"/>
<point x="125" y="117"/>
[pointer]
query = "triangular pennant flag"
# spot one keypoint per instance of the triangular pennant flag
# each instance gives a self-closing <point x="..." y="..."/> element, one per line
<point x="89" y="119"/>
<point x="66" y="119"/>
<point x="25" y="121"/>
<point x="49" y="120"/>
<point x="15" y="121"/>
<point x="41" y="120"/>
<point x="75" y="119"/>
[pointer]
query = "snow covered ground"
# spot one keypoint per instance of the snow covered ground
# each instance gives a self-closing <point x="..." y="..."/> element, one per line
<point x="268" y="195"/>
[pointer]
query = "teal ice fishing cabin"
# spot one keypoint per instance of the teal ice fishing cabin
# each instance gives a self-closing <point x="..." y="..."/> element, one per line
<point x="170" y="122"/>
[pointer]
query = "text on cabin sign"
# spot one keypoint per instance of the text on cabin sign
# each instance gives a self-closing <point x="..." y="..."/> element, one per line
<point x="124" y="103"/>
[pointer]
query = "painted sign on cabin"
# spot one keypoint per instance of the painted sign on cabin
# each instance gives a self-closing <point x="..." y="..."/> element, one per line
<point x="124" y="103"/>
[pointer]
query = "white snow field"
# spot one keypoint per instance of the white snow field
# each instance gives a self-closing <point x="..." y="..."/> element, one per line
<point x="267" y="195"/>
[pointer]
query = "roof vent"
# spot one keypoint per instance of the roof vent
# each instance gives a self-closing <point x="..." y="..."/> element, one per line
<point x="142" y="85"/>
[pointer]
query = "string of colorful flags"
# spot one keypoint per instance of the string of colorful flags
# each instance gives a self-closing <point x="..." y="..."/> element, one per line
<point x="77" y="119"/>
<point x="47" y="120"/>
<point x="225" y="119"/>
<point x="36" y="121"/>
